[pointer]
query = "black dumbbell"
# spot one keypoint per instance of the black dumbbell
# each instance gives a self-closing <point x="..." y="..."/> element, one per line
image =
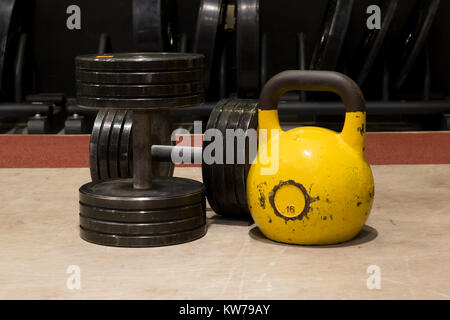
<point x="225" y="183"/>
<point x="145" y="210"/>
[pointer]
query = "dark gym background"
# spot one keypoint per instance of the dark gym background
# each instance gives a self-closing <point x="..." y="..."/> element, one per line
<point x="52" y="47"/>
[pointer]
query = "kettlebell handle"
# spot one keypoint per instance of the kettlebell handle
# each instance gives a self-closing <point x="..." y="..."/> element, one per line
<point x="346" y="88"/>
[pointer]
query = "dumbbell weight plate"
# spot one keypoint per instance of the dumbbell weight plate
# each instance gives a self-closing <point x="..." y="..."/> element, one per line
<point x="141" y="103"/>
<point x="327" y="52"/>
<point x="114" y="144"/>
<point x="142" y="241"/>
<point x="118" y="194"/>
<point x="384" y="67"/>
<point x="374" y="41"/>
<point x="210" y="20"/>
<point x="235" y="173"/>
<point x="248" y="120"/>
<point x="113" y="153"/>
<point x="399" y="27"/>
<point x="140" y="62"/>
<point x="103" y="145"/>
<point x="419" y="25"/>
<point x="226" y="184"/>
<point x="139" y="77"/>
<point x="153" y="90"/>
<point x="229" y="119"/>
<point x="128" y="229"/>
<point x="6" y="14"/>
<point x="243" y="116"/>
<point x="15" y="18"/>
<point x="355" y="37"/>
<point x="141" y="216"/>
<point x="154" y="25"/>
<point x="125" y="147"/>
<point x="93" y="145"/>
<point x="207" y="169"/>
<point x="247" y="48"/>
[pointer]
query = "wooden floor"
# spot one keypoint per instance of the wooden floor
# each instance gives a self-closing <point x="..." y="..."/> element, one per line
<point x="407" y="237"/>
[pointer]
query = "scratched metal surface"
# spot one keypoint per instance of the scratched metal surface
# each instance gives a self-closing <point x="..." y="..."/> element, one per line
<point x="406" y="237"/>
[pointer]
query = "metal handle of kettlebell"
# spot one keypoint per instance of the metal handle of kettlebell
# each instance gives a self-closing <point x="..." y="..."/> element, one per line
<point x="346" y="88"/>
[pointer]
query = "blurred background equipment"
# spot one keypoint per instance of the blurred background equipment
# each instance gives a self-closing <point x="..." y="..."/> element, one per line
<point x="208" y="41"/>
<point x="402" y="67"/>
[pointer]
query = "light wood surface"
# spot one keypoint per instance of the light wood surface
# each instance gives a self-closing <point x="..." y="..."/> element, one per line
<point x="407" y="237"/>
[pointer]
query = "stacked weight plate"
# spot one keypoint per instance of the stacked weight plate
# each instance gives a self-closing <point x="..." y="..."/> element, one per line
<point x="112" y="214"/>
<point x="151" y="208"/>
<point x="226" y="182"/>
<point x="337" y="18"/>
<point x="16" y="18"/>
<point x="110" y="145"/>
<point x="111" y="155"/>
<point x="209" y="40"/>
<point x="248" y="48"/>
<point x="130" y="83"/>
<point x="418" y="27"/>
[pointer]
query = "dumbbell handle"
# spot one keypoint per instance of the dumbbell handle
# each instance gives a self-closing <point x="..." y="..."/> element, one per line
<point x="163" y="153"/>
<point x="142" y="157"/>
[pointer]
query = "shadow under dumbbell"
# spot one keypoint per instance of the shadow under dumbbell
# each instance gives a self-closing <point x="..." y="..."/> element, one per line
<point x="366" y="234"/>
<point x="217" y="219"/>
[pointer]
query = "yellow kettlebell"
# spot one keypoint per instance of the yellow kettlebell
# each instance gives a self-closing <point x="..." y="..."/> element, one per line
<point x="310" y="185"/>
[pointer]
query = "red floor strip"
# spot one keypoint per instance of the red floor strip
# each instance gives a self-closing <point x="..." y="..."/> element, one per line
<point x="408" y="148"/>
<point x="60" y="151"/>
<point x="44" y="151"/>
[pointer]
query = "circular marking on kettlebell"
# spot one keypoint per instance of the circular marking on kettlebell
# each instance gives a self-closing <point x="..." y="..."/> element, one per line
<point x="290" y="200"/>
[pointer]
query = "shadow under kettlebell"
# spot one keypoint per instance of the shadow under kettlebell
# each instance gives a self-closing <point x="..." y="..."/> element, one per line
<point x="366" y="234"/>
